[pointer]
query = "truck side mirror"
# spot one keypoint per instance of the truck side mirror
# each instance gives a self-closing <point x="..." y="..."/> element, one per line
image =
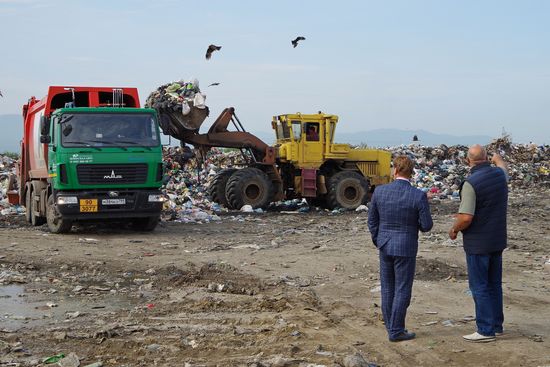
<point x="45" y="139"/>
<point x="44" y="126"/>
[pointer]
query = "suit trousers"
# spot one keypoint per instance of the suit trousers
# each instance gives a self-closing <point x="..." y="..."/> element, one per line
<point x="396" y="280"/>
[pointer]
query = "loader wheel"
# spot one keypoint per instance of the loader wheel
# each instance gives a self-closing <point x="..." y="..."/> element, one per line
<point x="347" y="189"/>
<point x="216" y="191"/>
<point x="249" y="186"/>
<point x="147" y="224"/>
<point x="56" y="223"/>
<point x="36" y="220"/>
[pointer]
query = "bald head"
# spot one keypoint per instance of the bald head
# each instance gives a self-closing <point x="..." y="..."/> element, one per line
<point x="477" y="154"/>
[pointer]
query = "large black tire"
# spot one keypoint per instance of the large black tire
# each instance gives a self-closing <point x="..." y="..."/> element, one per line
<point x="28" y="203"/>
<point x="249" y="186"/>
<point x="36" y="220"/>
<point x="347" y="189"/>
<point x="216" y="191"/>
<point x="56" y="223"/>
<point x="147" y="224"/>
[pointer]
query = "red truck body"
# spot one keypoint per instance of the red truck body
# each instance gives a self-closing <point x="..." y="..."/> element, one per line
<point x="34" y="155"/>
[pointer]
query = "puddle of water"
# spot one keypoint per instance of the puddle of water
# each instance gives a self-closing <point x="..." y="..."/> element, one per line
<point x="20" y="309"/>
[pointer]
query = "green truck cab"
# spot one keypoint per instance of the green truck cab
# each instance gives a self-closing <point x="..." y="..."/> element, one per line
<point x="94" y="163"/>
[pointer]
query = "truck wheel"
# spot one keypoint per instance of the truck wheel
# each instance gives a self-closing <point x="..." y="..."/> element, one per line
<point x="28" y="203"/>
<point x="56" y="223"/>
<point x="249" y="186"/>
<point x="216" y="191"/>
<point x="147" y="224"/>
<point x="347" y="189"/>
<point x="36" y="220"/>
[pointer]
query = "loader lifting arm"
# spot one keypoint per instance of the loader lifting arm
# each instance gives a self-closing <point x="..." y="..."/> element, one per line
<point x="219" y="136"/>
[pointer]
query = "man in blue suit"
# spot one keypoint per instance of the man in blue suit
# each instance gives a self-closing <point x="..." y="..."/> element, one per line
<point x="397" y="212"/>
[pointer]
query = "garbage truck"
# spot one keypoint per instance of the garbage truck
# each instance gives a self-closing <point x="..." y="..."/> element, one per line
<point x="305" y="162"/>
<point x="90" y="153"/>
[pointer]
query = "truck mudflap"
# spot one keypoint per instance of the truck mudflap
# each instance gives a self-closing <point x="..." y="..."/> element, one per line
<point x="95" y="204"/>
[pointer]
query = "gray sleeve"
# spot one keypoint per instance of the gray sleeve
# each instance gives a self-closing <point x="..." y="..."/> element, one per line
<point x="468" y="199"/>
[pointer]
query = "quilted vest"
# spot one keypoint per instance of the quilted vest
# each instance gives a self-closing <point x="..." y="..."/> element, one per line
<point x="487" y="232"/>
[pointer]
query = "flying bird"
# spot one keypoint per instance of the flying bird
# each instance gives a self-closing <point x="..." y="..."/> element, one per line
<point x="214" y="84"/>
<point x="295" y="42"/>
<point x="211" y="49"/>
<point x="1" y="95"/>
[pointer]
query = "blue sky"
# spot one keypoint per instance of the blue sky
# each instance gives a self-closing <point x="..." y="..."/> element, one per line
<point x="458" y="67"/>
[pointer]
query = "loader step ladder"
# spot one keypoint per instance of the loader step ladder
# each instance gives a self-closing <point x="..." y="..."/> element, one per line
<point x="309" y="182"/>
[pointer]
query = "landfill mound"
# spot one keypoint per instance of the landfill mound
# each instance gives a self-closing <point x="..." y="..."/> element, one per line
<point x="180" y="105"/>
<point x="8" y="186"/>
<point x="439" y="170"/>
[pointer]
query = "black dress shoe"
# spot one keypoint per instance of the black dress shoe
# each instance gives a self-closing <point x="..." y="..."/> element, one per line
<point x="403" y="336"/>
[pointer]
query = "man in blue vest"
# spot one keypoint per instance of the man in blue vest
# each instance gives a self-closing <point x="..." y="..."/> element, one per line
<point x="482" y="220"/>
<point x="398" y="211"/>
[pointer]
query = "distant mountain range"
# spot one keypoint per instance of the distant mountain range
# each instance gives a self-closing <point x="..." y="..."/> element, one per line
<point x="12" y="130"/>
<point x="393" y="137"/>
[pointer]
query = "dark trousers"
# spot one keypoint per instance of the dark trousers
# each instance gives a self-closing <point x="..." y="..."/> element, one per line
<point x="396" y="280"/>
<point x="485" y="280"/>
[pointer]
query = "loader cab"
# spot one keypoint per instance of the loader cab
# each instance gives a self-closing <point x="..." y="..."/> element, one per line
<point x="306" y="137"/>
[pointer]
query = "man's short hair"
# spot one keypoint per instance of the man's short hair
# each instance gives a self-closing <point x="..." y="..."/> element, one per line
<point x="403" y="165"/>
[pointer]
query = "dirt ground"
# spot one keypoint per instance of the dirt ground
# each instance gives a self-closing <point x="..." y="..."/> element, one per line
<point x="274" y="289"/>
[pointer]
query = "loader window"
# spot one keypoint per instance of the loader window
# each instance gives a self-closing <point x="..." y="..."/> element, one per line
<point x="283" y="132"/>
<point x="297" y="130"/>
<point x="312" y="131"/>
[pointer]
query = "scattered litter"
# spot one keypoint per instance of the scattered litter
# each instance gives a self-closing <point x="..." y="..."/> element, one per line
<point x="53" y="359"/>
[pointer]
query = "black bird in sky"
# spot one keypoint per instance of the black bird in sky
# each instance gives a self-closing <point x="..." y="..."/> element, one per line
<point x="1" y="95"/>
<point x="211" y="49"/>
<point x="214" y="84"/>
<point x="295" y="42"/>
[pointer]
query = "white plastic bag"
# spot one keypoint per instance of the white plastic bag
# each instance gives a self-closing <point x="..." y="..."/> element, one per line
<point x="185" y="109"/>
<point x="199" y="101"/>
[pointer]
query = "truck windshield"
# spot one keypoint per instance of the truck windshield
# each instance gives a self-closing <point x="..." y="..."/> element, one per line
<point x="109" y="130"/>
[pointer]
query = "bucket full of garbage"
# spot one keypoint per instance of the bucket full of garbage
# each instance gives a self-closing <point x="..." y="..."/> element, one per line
<point x="180" y="105"/>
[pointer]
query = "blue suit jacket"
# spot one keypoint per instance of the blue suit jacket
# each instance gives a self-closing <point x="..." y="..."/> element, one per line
<point x="397" y="212"/>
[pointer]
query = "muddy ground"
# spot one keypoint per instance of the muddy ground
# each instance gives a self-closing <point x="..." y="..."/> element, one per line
<point x="268" y="289"/>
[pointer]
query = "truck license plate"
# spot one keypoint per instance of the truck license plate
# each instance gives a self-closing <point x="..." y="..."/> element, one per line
<point x="88" y="205"/>
<point x="113" y="201"/>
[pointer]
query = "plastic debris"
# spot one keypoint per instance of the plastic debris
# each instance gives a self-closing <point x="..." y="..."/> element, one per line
<point x="53" y="359"/>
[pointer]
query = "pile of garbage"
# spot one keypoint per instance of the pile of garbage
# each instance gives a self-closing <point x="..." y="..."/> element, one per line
<point x="441" y="169"/>
<point x="8" y="186"/>
<point x="188" y="176"/>
<point x="180" y="105"/>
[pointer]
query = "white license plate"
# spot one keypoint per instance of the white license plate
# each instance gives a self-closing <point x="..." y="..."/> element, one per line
<point x="113" y="201"/>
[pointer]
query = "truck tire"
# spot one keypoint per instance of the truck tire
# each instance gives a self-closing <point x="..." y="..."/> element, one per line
<point x="36" y="220"/>
<point x="249" y="186"/>
<point x="216" y="191"/>
<point x="347" y="189"/>
<point x="56" y="223"/>
<point x="147" y="224"/>
<point x="28" y="203"/>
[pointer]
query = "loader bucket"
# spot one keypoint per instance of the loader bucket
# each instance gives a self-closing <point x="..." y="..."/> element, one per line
<point x="176" y="124"/>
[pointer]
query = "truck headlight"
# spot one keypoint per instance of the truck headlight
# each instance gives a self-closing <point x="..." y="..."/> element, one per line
<point x="63" y="200"/>
<point x="154" y="198"/>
